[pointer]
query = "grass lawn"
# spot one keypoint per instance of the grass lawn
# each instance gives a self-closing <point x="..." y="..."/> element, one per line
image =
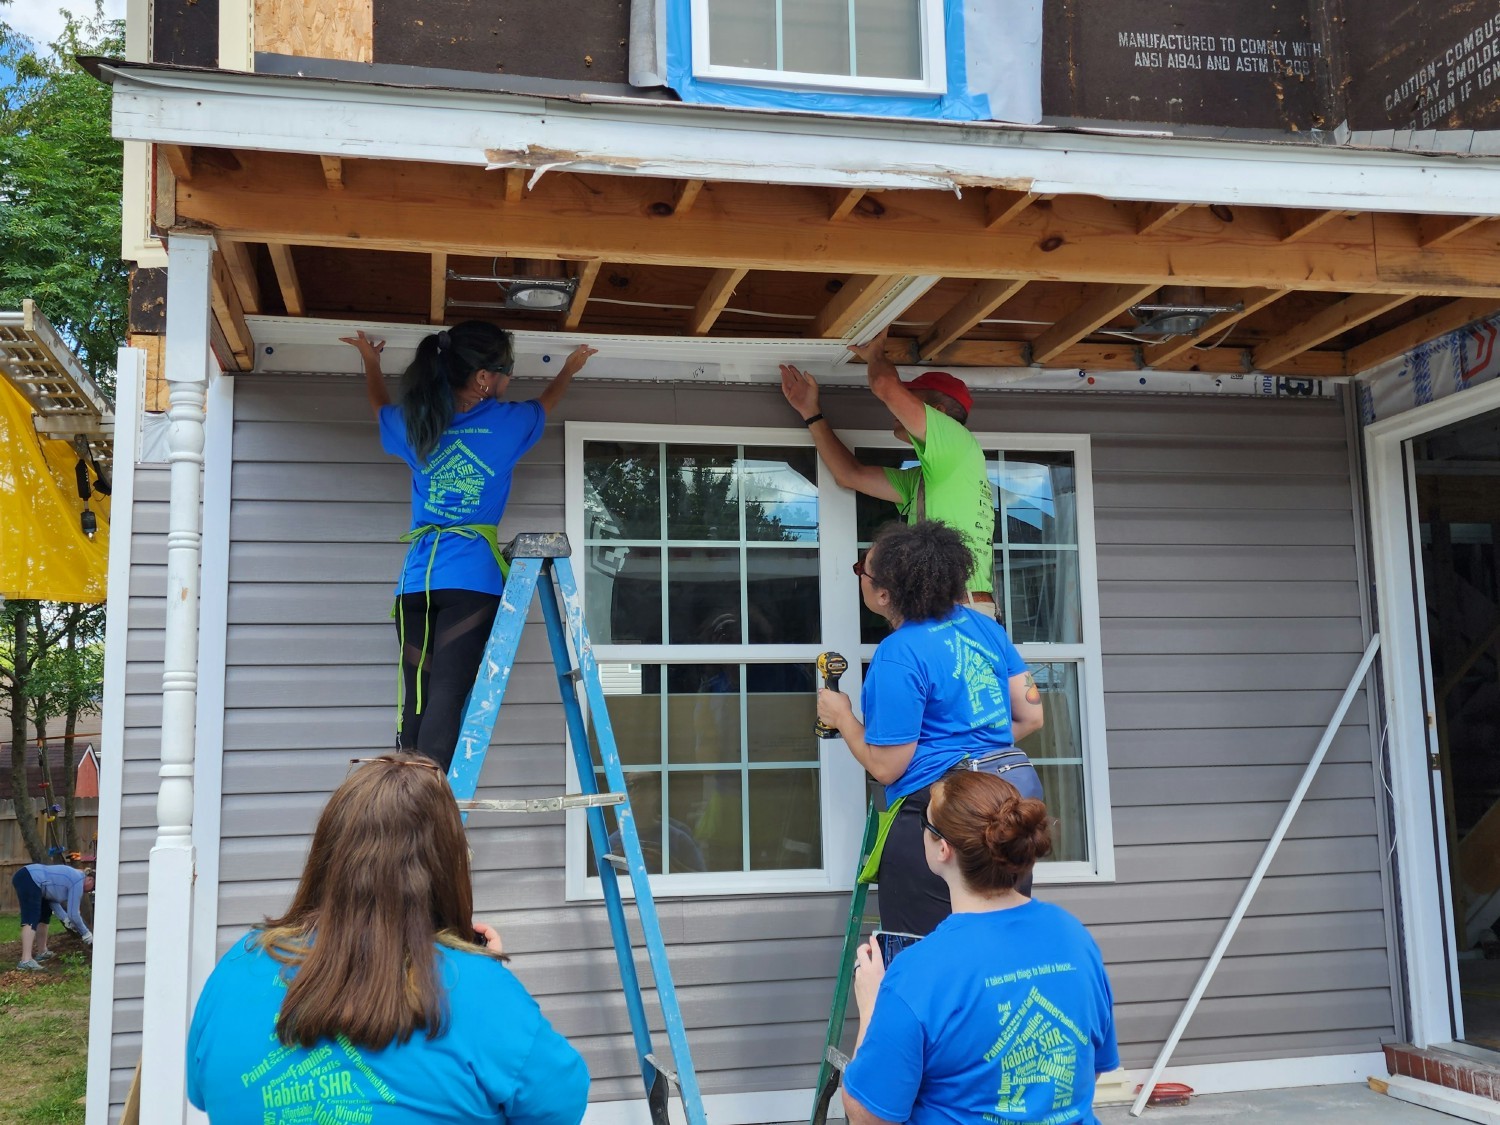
<point x="45" y="1016"/>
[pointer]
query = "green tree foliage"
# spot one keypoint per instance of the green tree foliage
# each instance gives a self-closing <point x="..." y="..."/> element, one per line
<point x="60" y="175"/>
<point x="67" y="683"/>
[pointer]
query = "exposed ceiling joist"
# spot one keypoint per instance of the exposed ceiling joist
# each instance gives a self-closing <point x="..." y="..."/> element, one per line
<point x="1296" y="225"/>
<point x="1435" y="229"/>
<point x="586" y="273"/>
<point x="1002" y="206"/>
<point x="843" y="202"/>
<point x="1324" y="326"/>
<point x="515" y="185"/>
<point x="1153" y="217"/>
<point x="1401" y="339"/>
<point x="776" y="229"/>
<point x="286" y="278"/>
<point x="333" y="172"/>
<point x="437" y="301"/>
<point x="720" y="288"/>
<point x="1100" y="308"/>
<point x="180" y="159"/>
<point x="230" y="315"/>
<point x="846" y="308"/>
<point x="983" y="299"/>
<point x="685" y="195"/>
<point x="242" y="271"/>
<point x="1251" y="301"/>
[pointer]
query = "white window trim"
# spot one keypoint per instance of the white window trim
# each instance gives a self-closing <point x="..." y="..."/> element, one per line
<point x="1100" y="867"/>
<point x="933" y="83"/>
<point x="843" y="782"/>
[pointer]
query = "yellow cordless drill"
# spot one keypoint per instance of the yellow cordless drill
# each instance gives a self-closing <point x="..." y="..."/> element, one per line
<point x="830" y="666"/>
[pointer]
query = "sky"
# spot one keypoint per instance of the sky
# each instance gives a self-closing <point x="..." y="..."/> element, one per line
<point x="41" y="20"/>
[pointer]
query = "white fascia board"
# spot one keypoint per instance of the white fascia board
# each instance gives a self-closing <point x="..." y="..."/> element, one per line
<point x="628" y="137"/>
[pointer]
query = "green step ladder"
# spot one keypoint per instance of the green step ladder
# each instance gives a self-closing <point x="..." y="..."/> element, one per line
<point x="540" y="567"/>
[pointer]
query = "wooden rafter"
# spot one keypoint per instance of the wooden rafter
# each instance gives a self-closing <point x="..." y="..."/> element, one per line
<point x="1152" y="217"/>
<point x="515" y="185"/>
<point x="1323" y="326"/>
<point x="715" y="297"/>
<point x="437" y="293"/>
<point x="1435" y="229"/>
<point x="180" y="159"/>
<point x="779" y="229"/>
<point x="242" y="272"/>
<point x="230" y="315"/>
<point x="1100" y="308"/>
<point x="843" y="201"/>
<point x="1251" y="301"/>
<point x="333" y="172"/>
<point x="685" y="195"/>
<point x="1002" y="206"/>
<point x="850" y="305"/>
<point x="965" y="313"/>
<point x="286" y="279"/>
<point x="1296" y="225"/>
<point x="1401" y="339"/>
<point x="587" y="273"/>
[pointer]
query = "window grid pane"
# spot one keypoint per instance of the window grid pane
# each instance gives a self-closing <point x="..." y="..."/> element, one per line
<point x="870" y="38"/>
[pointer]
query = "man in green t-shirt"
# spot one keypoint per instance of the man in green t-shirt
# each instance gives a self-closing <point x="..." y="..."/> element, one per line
<point x="951" y="482"/>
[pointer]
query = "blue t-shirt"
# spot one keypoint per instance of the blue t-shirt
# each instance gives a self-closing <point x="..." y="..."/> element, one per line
<point x="466" y="480"/>
<point x="499" y="1061"/>
<point x="944" y="685"/>
<point x="1001" y="1016"/>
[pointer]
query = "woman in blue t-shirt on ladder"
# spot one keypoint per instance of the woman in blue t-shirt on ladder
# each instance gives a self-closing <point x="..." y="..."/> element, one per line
<point x="1004" y="1012"/>
<point x="461" y="443"/>
<point x="946" y="688"/>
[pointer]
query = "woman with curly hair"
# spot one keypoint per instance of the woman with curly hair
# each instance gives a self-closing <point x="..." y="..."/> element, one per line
<point x="376" y="997"/>
<point x="1004" y="1012"/>
<point x="946" y="687"/>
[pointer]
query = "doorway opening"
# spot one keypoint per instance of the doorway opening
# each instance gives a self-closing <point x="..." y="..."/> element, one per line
<point x="1457" y="471"/>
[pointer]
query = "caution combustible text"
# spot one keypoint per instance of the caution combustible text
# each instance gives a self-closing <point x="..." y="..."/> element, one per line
<point x="1470" y="66"/>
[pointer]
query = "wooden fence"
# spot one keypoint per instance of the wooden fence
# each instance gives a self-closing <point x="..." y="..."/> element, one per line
<point x="13" y="854"/>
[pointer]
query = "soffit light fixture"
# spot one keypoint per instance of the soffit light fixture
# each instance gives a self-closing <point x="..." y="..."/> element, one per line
<point x="536" y="294"/>
<point x="1179" y="310"/>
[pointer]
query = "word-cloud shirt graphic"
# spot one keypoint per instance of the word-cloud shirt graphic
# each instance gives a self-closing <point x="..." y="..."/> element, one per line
<point x="944" y="685"/>
<point x="1001" y="1016"/>
<point x="466" y="481"/>
<point x="499" y="1061"/>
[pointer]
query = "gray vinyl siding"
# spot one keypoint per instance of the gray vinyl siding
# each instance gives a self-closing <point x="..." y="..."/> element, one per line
<point x="1231" y="620"/>
<point x="147" y="615"/>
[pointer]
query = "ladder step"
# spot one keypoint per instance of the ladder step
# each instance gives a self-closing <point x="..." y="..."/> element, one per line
<point x="618" y="862"/>
<point x="546" y="804"/>
<point x="839" y="1060"/>
<point x="669" y="1075"/>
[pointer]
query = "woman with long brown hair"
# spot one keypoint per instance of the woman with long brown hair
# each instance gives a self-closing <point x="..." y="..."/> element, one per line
<point x="376" y="998"/>
<point x="1004" y="1012"/>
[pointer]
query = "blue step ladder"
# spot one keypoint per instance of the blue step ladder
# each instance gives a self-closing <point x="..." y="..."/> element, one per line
<point x="541" y="559"/>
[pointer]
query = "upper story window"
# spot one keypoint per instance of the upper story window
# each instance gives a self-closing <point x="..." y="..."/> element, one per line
<point x="865" y="46"/>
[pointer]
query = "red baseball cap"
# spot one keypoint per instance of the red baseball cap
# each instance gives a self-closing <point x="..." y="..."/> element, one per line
<point x="950" y="385"/>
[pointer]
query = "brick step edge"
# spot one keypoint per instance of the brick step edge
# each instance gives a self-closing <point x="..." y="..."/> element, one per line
<point x="1445" y="1068"/>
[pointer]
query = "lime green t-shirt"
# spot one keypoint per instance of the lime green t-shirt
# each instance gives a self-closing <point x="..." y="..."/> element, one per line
<point x="952" y="485"/>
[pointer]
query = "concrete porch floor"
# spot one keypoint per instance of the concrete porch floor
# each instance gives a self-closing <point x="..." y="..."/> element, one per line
<point x="1312" y="1105"/>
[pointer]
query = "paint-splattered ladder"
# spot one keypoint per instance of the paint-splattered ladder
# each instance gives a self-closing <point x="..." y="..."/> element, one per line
<point x="542" y="559"/>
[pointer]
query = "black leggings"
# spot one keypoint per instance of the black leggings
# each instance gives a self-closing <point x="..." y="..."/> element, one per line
<point x="456" y="624"/>
<point x="912" y="899"/>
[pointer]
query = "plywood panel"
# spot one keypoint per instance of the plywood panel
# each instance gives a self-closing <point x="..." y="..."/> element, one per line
<point x="316" y="29"/>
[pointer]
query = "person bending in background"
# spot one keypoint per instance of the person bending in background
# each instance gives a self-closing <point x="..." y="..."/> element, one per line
<point x="44" y="890"/>
<point x="1004" y="1012"/>
<point x="945" y="688"/>
<point x="950" y="483"/>
<point x="369" y="999"/>
<point x="461" y="443"/>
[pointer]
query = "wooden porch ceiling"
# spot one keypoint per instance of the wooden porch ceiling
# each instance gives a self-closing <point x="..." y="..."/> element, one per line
<point x="1021" y="279"/>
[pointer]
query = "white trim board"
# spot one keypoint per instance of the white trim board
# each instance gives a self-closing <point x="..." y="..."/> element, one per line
<point x="130" y="388"/>
<point x="633" y="137"/>
<point x="1420" y="869"/>
<point x="1207" y="1078"/>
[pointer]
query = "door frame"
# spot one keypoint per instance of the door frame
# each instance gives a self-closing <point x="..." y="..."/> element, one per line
<point x="1422" y="875"/>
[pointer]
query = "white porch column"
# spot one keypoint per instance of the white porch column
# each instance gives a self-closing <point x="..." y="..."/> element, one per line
<point x="169" y="898"/>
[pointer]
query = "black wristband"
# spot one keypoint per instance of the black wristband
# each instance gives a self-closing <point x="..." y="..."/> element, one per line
<point x="815" y="418"/>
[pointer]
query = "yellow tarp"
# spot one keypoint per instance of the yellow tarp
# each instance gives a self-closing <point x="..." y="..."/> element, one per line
<point x="43" y="551"/>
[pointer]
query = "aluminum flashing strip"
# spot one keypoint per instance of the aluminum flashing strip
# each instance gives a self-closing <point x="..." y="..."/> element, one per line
<point x="288" y="114"/>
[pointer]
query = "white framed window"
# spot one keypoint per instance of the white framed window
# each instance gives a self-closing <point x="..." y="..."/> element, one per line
<point x="859" y="46"/>
<point x="715" y="565"/>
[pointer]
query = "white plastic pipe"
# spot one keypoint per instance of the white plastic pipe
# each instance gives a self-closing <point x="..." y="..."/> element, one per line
<point x="1260" y="873"/>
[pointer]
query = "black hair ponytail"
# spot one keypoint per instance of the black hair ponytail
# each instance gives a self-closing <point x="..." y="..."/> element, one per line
<point x="444" y="363"/>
